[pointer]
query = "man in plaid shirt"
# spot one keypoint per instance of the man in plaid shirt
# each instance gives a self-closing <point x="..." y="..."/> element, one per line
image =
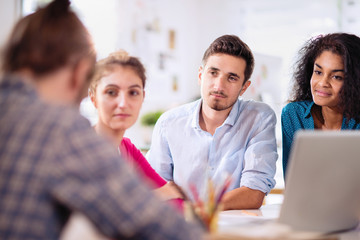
<point x="51" y="161"/>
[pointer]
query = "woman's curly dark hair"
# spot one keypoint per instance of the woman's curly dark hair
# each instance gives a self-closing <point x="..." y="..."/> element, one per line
<point x="343" y="44"/>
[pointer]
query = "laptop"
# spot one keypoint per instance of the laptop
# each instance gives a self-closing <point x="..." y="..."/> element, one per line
<point x="322" y="192"/>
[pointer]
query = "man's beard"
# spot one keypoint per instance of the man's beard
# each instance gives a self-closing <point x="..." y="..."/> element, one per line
<point x="219" y="107"/>
<point x="216" y="105"/>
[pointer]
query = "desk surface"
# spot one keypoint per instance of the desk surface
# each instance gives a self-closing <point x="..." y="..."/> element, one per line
<point x="262" y="222"/>
<point x="233" y="224"/>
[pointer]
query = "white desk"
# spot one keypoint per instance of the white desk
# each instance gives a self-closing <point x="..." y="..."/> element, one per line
<point x="243" y="223"/>
<point x="262" y="223"/>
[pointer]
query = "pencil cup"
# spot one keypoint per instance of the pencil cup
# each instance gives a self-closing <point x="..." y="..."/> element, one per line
<point x="206" y="216"/>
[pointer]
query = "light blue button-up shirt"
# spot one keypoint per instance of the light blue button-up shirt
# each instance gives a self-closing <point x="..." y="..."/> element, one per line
<point x="244" y="146"/>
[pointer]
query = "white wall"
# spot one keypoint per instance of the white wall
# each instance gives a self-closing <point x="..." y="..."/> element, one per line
<point x="9" y="13"/>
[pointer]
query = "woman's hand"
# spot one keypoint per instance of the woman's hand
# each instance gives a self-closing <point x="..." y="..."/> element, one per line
<point x="169" y="191"/>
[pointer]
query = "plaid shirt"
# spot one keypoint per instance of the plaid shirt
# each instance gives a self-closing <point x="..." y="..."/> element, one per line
<point x="52" y="162"/>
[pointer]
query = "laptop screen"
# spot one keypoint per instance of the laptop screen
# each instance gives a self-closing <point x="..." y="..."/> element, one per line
<point x="322" y="192"/>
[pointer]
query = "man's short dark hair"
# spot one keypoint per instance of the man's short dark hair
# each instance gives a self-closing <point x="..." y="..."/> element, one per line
<point x="232" y="45"/>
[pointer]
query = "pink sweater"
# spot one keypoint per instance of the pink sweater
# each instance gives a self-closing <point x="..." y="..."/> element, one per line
<point x="132" y="154"/>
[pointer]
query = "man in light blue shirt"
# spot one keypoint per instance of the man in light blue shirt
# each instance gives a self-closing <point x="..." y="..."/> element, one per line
<point x="220" y="133"/>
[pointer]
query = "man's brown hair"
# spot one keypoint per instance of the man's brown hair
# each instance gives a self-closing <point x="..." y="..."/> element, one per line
<point x="46" y="40"/>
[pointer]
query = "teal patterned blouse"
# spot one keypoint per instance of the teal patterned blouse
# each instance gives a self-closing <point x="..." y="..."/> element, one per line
<point x="296" y="116"/>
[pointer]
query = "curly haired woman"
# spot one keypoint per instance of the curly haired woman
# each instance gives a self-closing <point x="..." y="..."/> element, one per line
<point x="326" y="89"/>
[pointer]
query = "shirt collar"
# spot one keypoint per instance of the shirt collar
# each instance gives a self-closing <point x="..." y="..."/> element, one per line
<point x="196" y="115"/>
<point x="230" y="120"/>
<point x="234" y="113"/>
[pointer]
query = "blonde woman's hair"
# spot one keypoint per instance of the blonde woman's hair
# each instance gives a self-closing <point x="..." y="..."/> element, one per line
<point x="118" y="58"/>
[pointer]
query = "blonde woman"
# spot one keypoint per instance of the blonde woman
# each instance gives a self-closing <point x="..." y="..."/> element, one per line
<point x="117" y="92"/>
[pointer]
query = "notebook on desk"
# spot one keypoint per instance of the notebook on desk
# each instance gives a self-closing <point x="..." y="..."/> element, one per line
<point x="322" y="192"/>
